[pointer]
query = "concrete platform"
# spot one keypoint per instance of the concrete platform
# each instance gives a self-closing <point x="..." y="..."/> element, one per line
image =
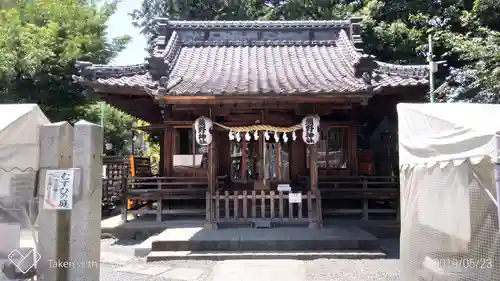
<point x="146" y="226"/>
<point x="186" y="238"/>
<point x="274" y="239"/>
<point x="218" y="256"/>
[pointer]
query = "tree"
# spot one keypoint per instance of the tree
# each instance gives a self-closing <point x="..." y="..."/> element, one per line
<point x="464" y="35"/>
<point x="117" y="126"/>
<point x="39" y="43"/>
<point x="465" y="31"/>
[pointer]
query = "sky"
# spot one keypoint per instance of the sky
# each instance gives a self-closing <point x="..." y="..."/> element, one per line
<point x="121" y="24"/>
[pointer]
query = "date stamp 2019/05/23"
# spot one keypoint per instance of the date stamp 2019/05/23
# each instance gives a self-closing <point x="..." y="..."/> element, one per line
<point x="460" y="264"/>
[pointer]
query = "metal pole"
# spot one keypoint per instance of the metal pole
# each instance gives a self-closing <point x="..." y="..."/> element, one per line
<point x="133" y="142"/>
<point x="102" y="104"/>
<point x="432" y="69"/>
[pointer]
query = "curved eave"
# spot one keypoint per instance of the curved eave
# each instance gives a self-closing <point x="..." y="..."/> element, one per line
<point x="104" y="88"/>
<point x="417" y="72"/>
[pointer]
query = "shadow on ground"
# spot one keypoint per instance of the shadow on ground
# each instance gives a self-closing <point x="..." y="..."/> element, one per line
<point x="391" y="247"/>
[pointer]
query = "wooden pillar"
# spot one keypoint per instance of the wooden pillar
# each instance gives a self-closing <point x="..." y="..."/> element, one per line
<point x="262" y="152"/>
<point x="212" y="181"/>
<point x="353" y="149"/>
<point x="313" y="183"/>
<point x="168" y="153"/>
<point x="168" y="142"/>
<point x="243" y="158"/>
<point x="161" y="164"/>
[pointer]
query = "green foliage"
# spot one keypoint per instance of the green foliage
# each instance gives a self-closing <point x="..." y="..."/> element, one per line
<point x="117" y="126"/>
<point x="39" y="43"/>
<point x="153" y="149"/>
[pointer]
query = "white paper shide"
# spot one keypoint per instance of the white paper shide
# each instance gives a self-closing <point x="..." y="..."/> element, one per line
<point x="59" y="189"/>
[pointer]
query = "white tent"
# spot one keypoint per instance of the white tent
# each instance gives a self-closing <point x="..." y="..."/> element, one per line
<point x="448" y="154"/>
<point x="19" y="141"/>
<point x="19" y="159"/>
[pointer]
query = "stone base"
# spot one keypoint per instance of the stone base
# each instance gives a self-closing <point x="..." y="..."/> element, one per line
<point x="211" y="226"/>
<point x="231" y="255"/>
<point x="315" y="225"/>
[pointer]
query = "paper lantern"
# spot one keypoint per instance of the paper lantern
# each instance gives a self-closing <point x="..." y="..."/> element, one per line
<point x="203" y="131"/>
<point x="310" y="129"/>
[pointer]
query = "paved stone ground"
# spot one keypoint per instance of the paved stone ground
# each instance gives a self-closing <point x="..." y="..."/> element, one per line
<point x="132" y="269"/>
<point x="118" y="264"/>
<point x="250" y="270"/>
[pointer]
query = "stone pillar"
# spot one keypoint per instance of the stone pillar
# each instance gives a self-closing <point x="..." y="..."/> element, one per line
<point x="85" y="245"/>
<point x="53" y="238"/>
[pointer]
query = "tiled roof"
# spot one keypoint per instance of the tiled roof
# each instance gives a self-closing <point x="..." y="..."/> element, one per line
<point x="196" y="62"/>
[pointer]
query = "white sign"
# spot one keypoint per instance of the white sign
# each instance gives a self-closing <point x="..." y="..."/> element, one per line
<point x="284" y="187"/>
<point x="104" y="171"/>
<point x="59" y="189"/>
<point x="295" y="197"/>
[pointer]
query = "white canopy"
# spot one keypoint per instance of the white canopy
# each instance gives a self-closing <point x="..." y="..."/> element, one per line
<point x="437" y="132"/>
<point x="19" y="139"/>
<point x="449" y="189"/>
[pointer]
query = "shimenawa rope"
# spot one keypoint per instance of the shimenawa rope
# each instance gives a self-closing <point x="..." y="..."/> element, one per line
<point x="253" y="128"/>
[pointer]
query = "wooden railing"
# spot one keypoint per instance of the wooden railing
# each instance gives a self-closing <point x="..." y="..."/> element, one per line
<point x="161" y="190"/>
<point x="373" y="192"/>
<point x="261" y="207"/>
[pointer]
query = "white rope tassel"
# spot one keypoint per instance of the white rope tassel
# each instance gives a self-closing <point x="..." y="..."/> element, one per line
<point x="231" y="135"/>
<point x="285" y="138"/>
<point x="266" y="135"/>
<point x="276" y="137"/>
<point x="238" y="137"/>
<point x="247" y="136"/>
<point x="256" y="135"/>
<point x="294" y="136"/>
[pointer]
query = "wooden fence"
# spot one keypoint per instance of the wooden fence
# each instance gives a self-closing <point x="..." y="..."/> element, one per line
<point x="263" y="206"/>
<point x="376" y="196"/>
<point x="373" y="196"/>
<point x="162" y="190"/>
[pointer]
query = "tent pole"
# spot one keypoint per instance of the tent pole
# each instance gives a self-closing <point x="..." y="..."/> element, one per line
<point x="497" y="184"/>
<point x="432" y="69"/>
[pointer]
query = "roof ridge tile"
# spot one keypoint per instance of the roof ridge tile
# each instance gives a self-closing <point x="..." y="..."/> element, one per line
<point x="207" y="43"/>
<point x="291" y="24"/>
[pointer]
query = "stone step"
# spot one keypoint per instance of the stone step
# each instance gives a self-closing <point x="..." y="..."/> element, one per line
<point x="264" y="245"/>
<point x="228" y="255"/>
<point x="271" y="239"/>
